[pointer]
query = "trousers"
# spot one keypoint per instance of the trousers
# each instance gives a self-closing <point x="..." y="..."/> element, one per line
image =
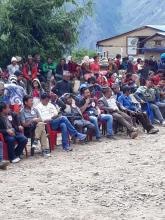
<point x="21" y="142"/>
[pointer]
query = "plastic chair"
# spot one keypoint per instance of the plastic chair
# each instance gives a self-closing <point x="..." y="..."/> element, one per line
<point x="53" y="137"/>
<point x="5" y="150"/>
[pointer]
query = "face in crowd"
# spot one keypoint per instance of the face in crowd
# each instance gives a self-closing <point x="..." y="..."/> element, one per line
<point x="87" y="93"/>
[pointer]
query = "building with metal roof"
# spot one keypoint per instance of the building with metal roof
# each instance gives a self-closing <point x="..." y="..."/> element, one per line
<point x="134" y="42"/>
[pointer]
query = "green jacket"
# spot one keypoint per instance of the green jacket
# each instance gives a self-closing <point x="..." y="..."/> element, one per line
<point x="46" y="67"/>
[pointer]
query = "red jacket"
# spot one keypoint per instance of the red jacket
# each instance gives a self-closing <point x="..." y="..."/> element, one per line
<point x="32" y="68"/>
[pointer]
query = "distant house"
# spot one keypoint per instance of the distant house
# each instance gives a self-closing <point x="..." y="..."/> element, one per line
<point x="144" y="41"/>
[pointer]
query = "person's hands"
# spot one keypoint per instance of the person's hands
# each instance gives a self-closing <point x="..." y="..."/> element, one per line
<point x="21" y="129"/>
<point x="88" y="101"/>
<point x="11" y="132"/>
<point x="36" y="120"/>
<point x="142" y="102"/>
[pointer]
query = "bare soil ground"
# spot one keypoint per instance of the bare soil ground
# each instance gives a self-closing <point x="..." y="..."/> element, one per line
<point x="112" y="180"/>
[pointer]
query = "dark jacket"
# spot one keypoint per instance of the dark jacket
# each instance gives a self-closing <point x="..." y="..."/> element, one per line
<point x="15" y="123"/>
<point x="62" y="87"/>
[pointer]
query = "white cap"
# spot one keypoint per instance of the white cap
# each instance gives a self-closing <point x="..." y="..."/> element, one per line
<point x="13" y="59"/>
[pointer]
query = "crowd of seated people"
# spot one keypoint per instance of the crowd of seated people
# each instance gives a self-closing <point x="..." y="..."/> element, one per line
<point x="80" y="101"/>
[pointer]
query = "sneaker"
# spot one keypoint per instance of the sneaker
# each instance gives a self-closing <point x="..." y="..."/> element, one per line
<point x="81" y="137"/>
<point x="4" y="164"/>
<point x="98" y="139"/>
<point x="16" y="160"/>
<point x="35" y="145"/>
<point x="46" y="153"/>
<point x="68" y="149"/>
<point x="163" y="123"/>
<point x="110" y="137"/>
<point x="156" y="121"/>
<point x="153" y="131"/>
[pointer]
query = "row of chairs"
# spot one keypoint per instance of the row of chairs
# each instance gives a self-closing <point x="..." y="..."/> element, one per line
<point x="52" y="142"/>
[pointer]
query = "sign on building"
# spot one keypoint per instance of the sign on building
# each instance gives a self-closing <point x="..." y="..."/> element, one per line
<point x="132" y="45"/>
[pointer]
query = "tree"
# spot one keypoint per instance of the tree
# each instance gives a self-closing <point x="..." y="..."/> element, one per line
<point x="48" y="27"/>
<point x="79" y="54"/>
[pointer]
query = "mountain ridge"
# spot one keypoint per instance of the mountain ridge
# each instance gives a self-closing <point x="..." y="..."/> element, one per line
<point x="112" y="17"/>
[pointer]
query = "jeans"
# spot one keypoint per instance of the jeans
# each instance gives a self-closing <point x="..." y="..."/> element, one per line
<point x="65" y="126"/>
<point x="1" y="151"/>
<point x="11" y="142"/>
<point x="103" y="117"/>
<point x="157" y="112"/>
<point x="161" y="106"/>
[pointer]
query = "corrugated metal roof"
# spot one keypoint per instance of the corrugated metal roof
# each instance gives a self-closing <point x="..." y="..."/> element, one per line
<point x="161" y="33"/>
<point x="158" y="27"/>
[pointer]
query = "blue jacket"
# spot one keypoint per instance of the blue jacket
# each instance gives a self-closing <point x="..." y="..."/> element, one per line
<point x="126" y="101"/>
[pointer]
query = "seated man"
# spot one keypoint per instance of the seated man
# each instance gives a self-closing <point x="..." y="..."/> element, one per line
<point x="34" y="126"/>
<point x="63" y="86"/>
<point x="109" y="104"/>
<point x="126" y="101"/>
<point x="50" y="114"/>
<point x="12" y="130"/>
<point x="89" y="107"/>
<point x="147" y="95"/>
<point x="73" y="113"/>
<point x="3" y="163"/>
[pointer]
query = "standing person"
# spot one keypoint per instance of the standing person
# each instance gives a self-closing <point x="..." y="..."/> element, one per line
<point x="112" y="68"/>
<point x="12" y="130"/>
<point x="144" y="73"/>
<point x="3" y="163"/>
<point x="118" y="61"/>
<point x="130" y="67"/>
<point x="30" y="72"/>
<point x="89" y="107"/>
<point x="153" y="64"/>
<point x="73" y="68"/>
<point x="3" y="97"/>
<point x="49" y="70"/>
<point x="63" y="86"/>
<point x="13" y="67"/>
<point x="161" y="66"/>
<point x="50" y="114"/>
<point x="20" y="79"/>
<point x="34" y="126"/>
<point x="61" y="67"/>
<point x="14" y="93"/>
<point x="95" y="66"/>
<point x="85" y="68"/>
<point x="37" y="61"/>
<point x="37" y="90"/>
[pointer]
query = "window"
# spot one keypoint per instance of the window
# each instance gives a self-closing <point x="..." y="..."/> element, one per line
<point x="158" y="42"/>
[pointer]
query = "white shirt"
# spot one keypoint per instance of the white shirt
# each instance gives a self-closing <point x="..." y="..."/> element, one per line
<point x="47" y="111"/>
<point x="112" y="103"/>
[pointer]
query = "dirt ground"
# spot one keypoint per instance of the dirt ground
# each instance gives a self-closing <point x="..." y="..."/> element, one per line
<point x="112" y="180"/>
